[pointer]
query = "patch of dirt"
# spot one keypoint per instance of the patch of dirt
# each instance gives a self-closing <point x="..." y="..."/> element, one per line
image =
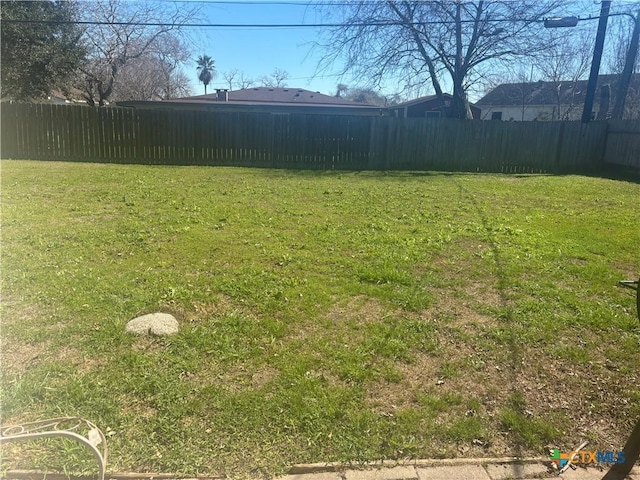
<point x="627" y="271"/>
<point x="83" y="363"/>
<point x="13" y="311"/>
<point x="144" y="412"/>
<point x="223" y="305"/>
<point x="592" y="398"/>
<point x="17" y="355"/>
<point x="241" y="377"/>
<point x="461" y="308"/>
<point x="17" y="352"/>
<point x="419" y="376"/>
<point x="590" y="402"/>
<point x="359" y="310"/>
<point x="463" y="251"/>
<point x="238" y="378"/>
<point x="17" y="358"/>
<point x="457" y="311"/>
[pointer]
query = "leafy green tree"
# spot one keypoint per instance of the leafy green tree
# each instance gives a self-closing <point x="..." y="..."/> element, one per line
<point x="206" y="70"/>
<point x="41" y="50"/>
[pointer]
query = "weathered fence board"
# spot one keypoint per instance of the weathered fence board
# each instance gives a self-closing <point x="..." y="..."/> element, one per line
<point x="303" y="141"/>
<point x="623" y="144"/>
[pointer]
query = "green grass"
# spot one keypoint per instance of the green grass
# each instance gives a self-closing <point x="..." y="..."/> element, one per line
<point x="324" y="316"/>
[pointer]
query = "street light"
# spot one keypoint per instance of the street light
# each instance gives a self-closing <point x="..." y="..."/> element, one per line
<point x="625" y="78"/>
<point x="597" y="55"/>
<point x="560" y="22"/>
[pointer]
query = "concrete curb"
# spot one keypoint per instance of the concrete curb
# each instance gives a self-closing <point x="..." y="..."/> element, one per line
<point x="504" y="468"/>
<point x="305" y="468"/>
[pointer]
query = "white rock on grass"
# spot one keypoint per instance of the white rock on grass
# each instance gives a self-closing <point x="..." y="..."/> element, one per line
<point x="153" y="324"/>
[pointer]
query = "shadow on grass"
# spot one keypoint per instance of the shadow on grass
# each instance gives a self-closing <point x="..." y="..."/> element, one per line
<point x="618" y="173"/>
<point x="516" y="402"/>
<point x="609" y="173"/>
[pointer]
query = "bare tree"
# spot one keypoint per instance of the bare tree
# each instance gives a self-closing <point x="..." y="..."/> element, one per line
<point x="244" y="82"/>
<point x="366" y="95"/>
<point x="447" y="43"/>
<point x="627" y="63"/>
<point x="277" y="79"/>
<point x="122" y="33"/>
<point x="237" y="79"/>
<point x="565" y="61"/>
<point x="341" y="89"/>
<point x="230" y="77"/>
<point x="155" y="75"/>
<point x="147" y="78"/>
<point x="620" y="34"/>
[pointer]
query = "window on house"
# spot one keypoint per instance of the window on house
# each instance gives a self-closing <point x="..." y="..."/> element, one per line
<point x="496" y="115"/>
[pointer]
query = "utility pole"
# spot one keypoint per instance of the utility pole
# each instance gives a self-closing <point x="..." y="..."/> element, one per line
<point x="595" y="63"/>
<point x="627" y="72"/>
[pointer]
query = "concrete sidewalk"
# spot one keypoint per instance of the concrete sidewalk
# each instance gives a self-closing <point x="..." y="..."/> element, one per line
<point x="451" y="469"/>
<point x="480" y="469"/>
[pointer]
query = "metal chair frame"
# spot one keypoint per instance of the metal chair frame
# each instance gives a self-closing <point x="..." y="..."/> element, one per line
<point x="64" y="427"/>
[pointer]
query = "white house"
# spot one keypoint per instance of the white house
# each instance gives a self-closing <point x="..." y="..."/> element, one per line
<point x="562" y="100"/>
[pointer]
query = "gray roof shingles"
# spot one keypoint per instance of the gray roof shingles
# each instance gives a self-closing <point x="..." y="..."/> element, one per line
<point x="545" y="93"/>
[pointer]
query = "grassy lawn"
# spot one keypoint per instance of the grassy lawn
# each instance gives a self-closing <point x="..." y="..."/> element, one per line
<point x="325" y="316"/>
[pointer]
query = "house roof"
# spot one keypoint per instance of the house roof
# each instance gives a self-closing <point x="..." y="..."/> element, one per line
<point x="415" y="101"/>
<point x="426" y="98"/>
<point x="272" y="96"/>
<point x="546" y="93"/>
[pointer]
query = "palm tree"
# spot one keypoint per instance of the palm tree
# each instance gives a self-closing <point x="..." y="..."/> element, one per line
<point x="206" y="70"/>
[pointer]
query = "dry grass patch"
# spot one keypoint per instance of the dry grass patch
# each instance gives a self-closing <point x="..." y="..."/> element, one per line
<point x="245" y="377"/>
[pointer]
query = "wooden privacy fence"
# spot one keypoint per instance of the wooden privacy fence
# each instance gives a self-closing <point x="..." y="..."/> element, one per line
<point x="304" y="141"/>
<point x="623" y="144"/>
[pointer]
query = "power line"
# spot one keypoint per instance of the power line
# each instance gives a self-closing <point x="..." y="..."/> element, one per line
<point x="269" y="3"/>
<point x="284" y="25"/>
<point x="310" y="3"/>
<point x="258" y="25"/>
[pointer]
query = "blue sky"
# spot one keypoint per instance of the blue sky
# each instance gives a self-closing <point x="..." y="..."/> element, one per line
<point x="257" y="52"/>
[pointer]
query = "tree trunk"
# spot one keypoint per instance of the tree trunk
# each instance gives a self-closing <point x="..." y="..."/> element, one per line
<point x="460" y="105"/>
<point x="631" y="453"/>
<point x="625" y="78"/>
